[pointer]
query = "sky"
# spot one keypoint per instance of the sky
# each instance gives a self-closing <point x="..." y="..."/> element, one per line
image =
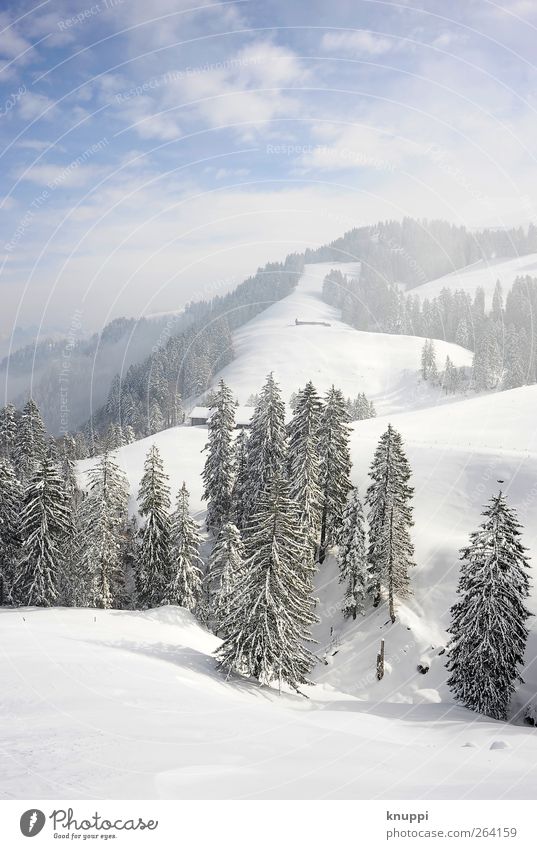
<point x="158" y="152"/>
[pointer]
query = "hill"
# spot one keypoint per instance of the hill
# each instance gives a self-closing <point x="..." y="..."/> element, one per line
<point x="484" y="274"/>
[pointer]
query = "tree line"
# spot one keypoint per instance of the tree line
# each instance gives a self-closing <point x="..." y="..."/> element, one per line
<point x="279" y="499"/>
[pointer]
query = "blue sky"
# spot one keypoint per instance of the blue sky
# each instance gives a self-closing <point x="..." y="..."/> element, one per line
<point x="154" y="152"/>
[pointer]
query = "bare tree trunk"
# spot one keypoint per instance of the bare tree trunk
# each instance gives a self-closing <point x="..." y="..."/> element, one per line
<point x="380" y="662"/>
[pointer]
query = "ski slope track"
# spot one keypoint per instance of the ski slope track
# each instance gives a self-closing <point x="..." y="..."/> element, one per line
<point x="124" y="704"/>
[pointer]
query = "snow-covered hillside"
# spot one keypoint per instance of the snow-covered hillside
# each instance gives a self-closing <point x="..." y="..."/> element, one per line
<point x="384" y="367"/>
<point x="137" y="697"/>
<point x="116" y="704"/>
<point x="483" y="274"/>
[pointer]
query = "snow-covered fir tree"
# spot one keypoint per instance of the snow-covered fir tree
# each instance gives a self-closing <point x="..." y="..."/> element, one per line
<point x="429" y="369"/>
<point x="267" y="445"/>
<point x="154" y="554"/>
<point x="513" y="375"/>
<point x="185" y="586"/>
<point x="304" y="463"/>
<point x="218" y="472"/>
<point x="335" y="467"/>
<point x="354" y="570"/>
<point x="31" y="444"/>
<point x="8" y="431"/>
<point x="45" y="532"/>
<point x="225" y="566"/>
<point x="105" y="516"/>
<point x="271" y="610"/>
<point x="239" y="493"/>
<point x="389" y="498"/>
<point x="487" y="365"/>
<point x="488" y="623"/>
<point x="451" y="378"/>
<point x="10" y="541"/>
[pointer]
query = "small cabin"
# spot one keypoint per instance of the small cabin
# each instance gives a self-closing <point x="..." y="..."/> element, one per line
<point x="201" y="415"/>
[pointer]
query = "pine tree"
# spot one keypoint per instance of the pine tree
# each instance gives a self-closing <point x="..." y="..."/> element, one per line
<point x="10" y="541"/>
<point x="390" y="519"/>
<point x="45" y="534"/>
<point x="76" y="586"/>
<point x="335" y="468"/>
<point x="304" y="465"/>
<point x="225" y="566"/>
<point x="487" y="365"/>
<point x="239" y="493"/>
<point x="353" y="556"/>
<point x="154" y="555"/>
<point x="8" y="431"/>
<point x="450" y="379"/>
<point x="271" y="609"/>
<point x="267" y="445"/>
<point x="429" y="369"/>
<point x="219" y="468"/>
<point x="186" y="579"/>
<point x="31" y="445"/>
<point x="105" y="515"/>
<point x="497" y="303"/>
<point x="513" y="364"/>
<point x="488" y="622"/>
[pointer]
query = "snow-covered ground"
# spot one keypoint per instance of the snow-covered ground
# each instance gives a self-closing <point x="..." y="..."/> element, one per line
<point x="123" y="704"/>
<point x="129" y="705"/>
<point x="384" y="367"/>
<point x="484" y="274"/>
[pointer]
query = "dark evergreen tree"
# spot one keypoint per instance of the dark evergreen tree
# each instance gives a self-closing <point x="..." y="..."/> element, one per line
<point x="352" y="556"/>
<point x="239" y="493"/>
<point x="267" y="445"/>
<point x="8" y="431"/>
<point x="219" y="466"/>
<point x="304" y="464"/>
<point x="271" y="610"/>
<point x="31" y="445"/>
<point x="225" y="566"/>
<point x="45" y="534"/>
<point x="186" y="577"/>
<point x="10" y="541"/>
<point x="488" y="624"/>
<point x="105" y="517"/>
<point x="154" y="553"/>
<point x="390" y="519"/>
<point x="335" y="468"/>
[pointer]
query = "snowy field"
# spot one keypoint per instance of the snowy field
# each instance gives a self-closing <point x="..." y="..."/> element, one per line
<point x="483" y="273"/>
<point x="119" y="704"/>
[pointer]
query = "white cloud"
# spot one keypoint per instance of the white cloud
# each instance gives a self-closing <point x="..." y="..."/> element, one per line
<point x="358" y="41"/>
<point x="34" y="105"/>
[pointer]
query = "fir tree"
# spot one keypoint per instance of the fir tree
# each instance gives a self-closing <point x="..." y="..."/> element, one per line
<point x="271" y="609"/>
<point x="31" y="444"/>
<point x="304" y="465"/>
<point x="429" y="370"/>
<point x="186" y="579"/>
<point x="225" y="566"/>
<point x="10" y="510"/>
<point x="45" y="533"/>
<point x="218" y="471"/>
<point x="513" y="364"/>
<point x="488" y="622"/>
<point x="267" y="445"/>
<point x="105" y="515"/>
<point x="239" y="493"/>
<point x="353" y="556"/>
<point x="390" y="519"/>
<point x="154" y="557"/>
<point x="8" y="431"/>
<point x="335" y="468"/>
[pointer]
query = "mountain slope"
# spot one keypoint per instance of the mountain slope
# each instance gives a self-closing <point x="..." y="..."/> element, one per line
<point x="384" y="367"/>
<point x="482" y="274"/>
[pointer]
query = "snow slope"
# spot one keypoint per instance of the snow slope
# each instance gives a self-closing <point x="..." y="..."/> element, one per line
<point x="384" y="367"/>
<point x="123" y="704"/>
<point x="484" y="274"/>
<point x="115" y="704"/>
